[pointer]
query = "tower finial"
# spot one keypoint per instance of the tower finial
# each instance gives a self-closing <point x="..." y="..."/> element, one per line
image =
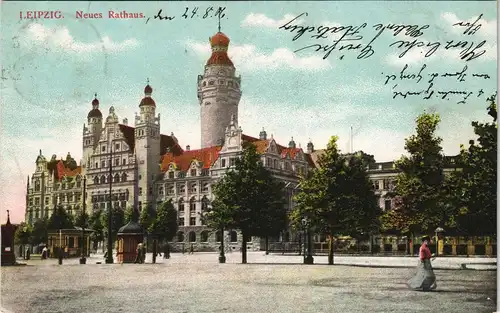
<point x="147" y="80"/>
<point x="219" y="23"/>
<point x="95" y="95"/>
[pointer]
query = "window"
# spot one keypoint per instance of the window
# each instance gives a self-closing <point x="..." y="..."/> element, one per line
<point x="182" y="188"/>
<point x="117" y="146"/>
<point x="230" y="83"/>
<point x="193" y="188"/>
<point x="287" y="166"/>
<point x="192" y="221"/>
<point x="232" y="161"/>
<point x="192" y="236"/>
<point x="234" y="236"/>
<point x="193" y="172"/>
<point x="96" y="164"/>
<point x="140" y="176"/>
<point x="124" y="161"/>
<point x="150" y="191"/>
<point x="160" y="190"/>
<point x="181" y="205"/>
<point x="103" y="163"/>
<point x="211" y="83"/>
<point x="37" y="201"/>
<point x="103" y="148"/>
<point x="46" y="201"/>
<point x="275" y="164"/>
<point x="124" y="177"/>
<point x="78" y="184"/>
<point x="181" y="221"/>
<point x="205" y="187"/>
<point x="387" y="205"/>
<point x="180" y="236"/>
<point x="223" y="163"/>
<point x="170" y="175"/>
<point x="37" y="185"/>
<point x="204" y="236"/>
<point x="205" y="172"/>
<point x="170" y="190"/>
<point x="116" y="178"/>
<point x="192" y="205"/>
<point x="204" y="204"/>
<point x="117" y="161"/>
<point x="140" y="191"/>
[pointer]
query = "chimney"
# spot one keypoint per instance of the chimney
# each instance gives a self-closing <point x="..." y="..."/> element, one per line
<point x="125" y="121"/>
<point x="188" y="147"/>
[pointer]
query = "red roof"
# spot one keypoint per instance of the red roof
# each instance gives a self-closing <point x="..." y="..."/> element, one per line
<point x="62" y="171"/>
<point x="207" y="156"/>
<point x="148" y="89"/>
<point x="219" y="58"/>
<point x="147" y="101"/>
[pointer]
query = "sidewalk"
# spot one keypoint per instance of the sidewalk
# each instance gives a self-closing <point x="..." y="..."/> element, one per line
<point x="440" y="263"/>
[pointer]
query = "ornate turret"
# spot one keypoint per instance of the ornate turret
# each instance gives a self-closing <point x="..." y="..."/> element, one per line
<point x="291" y="144"/>
<point x="95" y="112"/>
<point x="147" y="100"/>
<point x="310" y="147"/>
<point x="263" y="134"/>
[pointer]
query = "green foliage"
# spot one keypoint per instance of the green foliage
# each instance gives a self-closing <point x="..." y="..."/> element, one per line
<point x="82" y="219"/>
<point x="248" y="198"/>
<point x="131" y="215"/>
<point x="165" y="225"/>
<point x="146" y="217"/>
<point x="39" y="232"/>
<point x="477" y="183"/>
<point x="419" y="186"/>
<point x="95" y="223"/>
<point x="60" y="219"/>
<point x="23" y="234"/>
<point x="338" y="198"/>
<point x="117" y="219"/>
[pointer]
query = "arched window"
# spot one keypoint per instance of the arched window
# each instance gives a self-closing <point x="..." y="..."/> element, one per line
<point x="192" y="236"/>
<point x="117" y="178"/>
<point x="234" y="236"/>
<point x="180" y="236"/>
<point x="204" y="236"/>
<point x="275" y="164"/>
<point x="204" y="204"/>
<point x="103" y="179"/>
<point x="96" y="180"/>
<point x="37" y="185"/>
<point x="218" y="236"/>
<point x="124" y="177"/>
<point x="192" y="205"/>
<point x="181" y="205"/>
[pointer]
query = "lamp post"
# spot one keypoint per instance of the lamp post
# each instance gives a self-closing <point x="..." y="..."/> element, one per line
<point x="222" y="256"/>
<point x="83" y="259"/>
<point x="109" y="257"/>
<point x="60" y="254"/>
<point x="438" y="231"/>
<point x="309" y="258"/>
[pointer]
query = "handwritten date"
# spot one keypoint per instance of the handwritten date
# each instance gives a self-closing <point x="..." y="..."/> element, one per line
<point x="190" y="13"/>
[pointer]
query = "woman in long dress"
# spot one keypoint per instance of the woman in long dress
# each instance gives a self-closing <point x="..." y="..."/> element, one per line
<point x="425" y="279"/>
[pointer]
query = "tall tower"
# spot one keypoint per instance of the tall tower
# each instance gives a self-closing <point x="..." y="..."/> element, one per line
<point x="92" y="133"/>
<point x="219" y="92"/>
<point x="147" y="146"/>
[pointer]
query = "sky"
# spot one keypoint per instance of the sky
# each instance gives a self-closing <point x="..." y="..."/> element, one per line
<point x="51" y="69"/>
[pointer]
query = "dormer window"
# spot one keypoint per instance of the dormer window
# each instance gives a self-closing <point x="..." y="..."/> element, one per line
<point x="193" y="172"/>
<point x="171" y="175"/>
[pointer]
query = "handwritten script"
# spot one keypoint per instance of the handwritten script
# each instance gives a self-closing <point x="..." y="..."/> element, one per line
<point x="351" y="38"/>
<point x="427" y="83"/>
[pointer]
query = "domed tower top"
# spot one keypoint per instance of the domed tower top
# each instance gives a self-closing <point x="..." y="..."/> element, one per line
<point x="147" y="100"/>
<point x="219" y="43"/>
<point x="95" y="112"/>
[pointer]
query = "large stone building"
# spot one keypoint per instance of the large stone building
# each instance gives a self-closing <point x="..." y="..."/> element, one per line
<point x="120" y="162"/>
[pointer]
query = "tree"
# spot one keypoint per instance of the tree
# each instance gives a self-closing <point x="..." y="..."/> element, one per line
<point x="82" y="220"/>
<point x="246" y="196"/>
<point x="338" y="197"/>
<point x="419" y="185"/>
<point x="116" y="221"/>
<point x="39" y="232"/>
<point x="23" y="234"/>
<point x="165" y="225"/>
<point x="97" y="227"/>
<point x="131" y="214"/>
<point x="478" y="179"/>
<point x="60" y="219"/>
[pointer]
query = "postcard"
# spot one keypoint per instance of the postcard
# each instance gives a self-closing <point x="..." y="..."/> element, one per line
<point x="222" y="156"/>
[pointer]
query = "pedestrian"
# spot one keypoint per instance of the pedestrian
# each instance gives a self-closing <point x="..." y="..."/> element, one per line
<point x="143" y="248"/>
<point x="191" y="249"/>
<point x="138" y="254"/>
<point x="44" y="253"/>
<point x="166" y="252"/>
<point x="424" y="279"/>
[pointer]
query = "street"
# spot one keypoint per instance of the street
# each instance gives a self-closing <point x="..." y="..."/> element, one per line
<point x="199" y="286"/>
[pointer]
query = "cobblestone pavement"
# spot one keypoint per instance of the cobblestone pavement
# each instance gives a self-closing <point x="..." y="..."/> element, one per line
<point x="192" y="283"/>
